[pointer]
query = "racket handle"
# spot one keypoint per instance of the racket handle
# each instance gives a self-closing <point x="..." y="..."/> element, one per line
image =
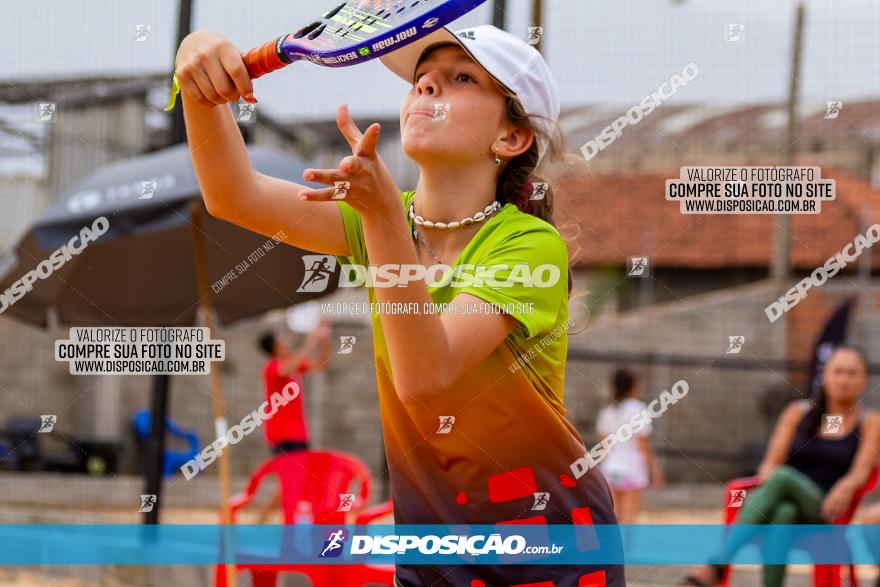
<point x="264" y="59"/>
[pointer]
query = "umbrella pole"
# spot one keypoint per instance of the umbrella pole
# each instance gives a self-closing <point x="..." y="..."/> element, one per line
<point x="217" y="407"/>
<point x="156" y="445"/>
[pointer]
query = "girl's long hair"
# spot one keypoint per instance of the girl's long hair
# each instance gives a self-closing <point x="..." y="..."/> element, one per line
<point x="813" y="418"/>
<point x="517" y="179"/>
<point x="622" y="383"/>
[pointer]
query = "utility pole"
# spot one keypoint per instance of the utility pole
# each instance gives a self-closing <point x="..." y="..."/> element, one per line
<point x="538" y="19"/>
<point x="781" y="266"/>
<point x="155" y="449"/>
<point x="184" y="25"/>
<point x="499" y="13"/>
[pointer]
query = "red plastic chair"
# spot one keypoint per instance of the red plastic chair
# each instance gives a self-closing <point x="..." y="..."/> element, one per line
<point x="823" y="575"/>
<point x="358" y="576"/>
<point x="317" y="477"/>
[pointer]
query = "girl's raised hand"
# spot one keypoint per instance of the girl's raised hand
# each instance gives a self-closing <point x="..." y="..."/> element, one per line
<point x="364" y="181"/>
<point x="210" y="70"/>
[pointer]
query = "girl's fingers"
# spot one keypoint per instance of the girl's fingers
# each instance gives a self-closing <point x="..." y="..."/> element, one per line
<point x="366" y="147"/>
<point x="323" y="175"/>
<point x="189" y="86"/>
<point x="205" y="86"/>
<point x="351" y="165"/>
<point x="221" y="81"/>
<point x="348" y="167"/>
<point x="347" y="126"/>
<point x="323" y="194"/>
<point x="234" y="65"/>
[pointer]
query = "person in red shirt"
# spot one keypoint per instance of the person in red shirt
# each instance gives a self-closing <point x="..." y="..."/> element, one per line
<point x="287" y="431"/>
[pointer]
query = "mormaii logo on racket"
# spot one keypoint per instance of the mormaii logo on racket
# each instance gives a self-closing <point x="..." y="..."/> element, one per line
<point x="401" y="36"/>
<point x="430" y="23"/>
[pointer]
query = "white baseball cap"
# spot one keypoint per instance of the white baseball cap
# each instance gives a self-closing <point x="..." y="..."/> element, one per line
<point x="511" y="61"/>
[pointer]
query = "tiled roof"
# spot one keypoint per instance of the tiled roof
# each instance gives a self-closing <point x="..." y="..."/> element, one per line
<point x="607" y="217"/>
<point x="702" y="124"/>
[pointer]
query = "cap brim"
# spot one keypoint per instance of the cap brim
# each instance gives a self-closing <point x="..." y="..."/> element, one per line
<point x="403" y="61"/>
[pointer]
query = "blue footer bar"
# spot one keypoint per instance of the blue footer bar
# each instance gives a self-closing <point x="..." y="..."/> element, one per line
<point x="671" y="544"/>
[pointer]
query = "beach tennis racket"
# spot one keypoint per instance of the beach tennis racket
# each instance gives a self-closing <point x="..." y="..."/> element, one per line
<point x="351" y="33"/>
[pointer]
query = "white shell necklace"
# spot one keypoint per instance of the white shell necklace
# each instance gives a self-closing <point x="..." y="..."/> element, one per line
<point x="478" y="217"/>
<point x="488" y="211"/>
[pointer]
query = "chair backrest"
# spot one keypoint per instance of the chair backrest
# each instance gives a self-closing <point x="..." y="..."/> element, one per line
<point x="141" y="422"/>
<point x="317" y="477"/>
<point x="861" y="492"/>
<point x="732" y="506"/>
<point x="173" y="459"/>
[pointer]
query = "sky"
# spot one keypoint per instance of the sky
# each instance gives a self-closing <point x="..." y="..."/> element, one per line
<point x="611" y="52"/>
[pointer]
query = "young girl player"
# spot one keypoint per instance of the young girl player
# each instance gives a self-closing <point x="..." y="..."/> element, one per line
<point x="472" y="398"/>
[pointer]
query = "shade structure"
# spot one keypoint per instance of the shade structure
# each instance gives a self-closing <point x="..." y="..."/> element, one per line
<point x="140" y="271"/>
<point x="156" y="258"/>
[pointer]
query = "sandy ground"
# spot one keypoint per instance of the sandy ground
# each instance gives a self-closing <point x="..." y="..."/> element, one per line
<point x="15" y="578"/>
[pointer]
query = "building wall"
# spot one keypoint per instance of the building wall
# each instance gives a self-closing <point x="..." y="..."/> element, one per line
<point x="341" y="403"/>
<point x="719" y="418"/>
<point x="722" y="425"/>
<point x="22" y="198"/>
<point x="709" y="436"/>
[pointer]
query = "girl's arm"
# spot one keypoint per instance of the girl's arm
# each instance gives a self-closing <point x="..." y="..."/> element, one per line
<point x="323" y="348"/>
<point x="428" y="351"/>
<point x="319" y="337"/>
<point x="290" y="366"/>
<point x="780" y="441"/>
<point x="210" y="72"/>
<point x="841" y="493"/>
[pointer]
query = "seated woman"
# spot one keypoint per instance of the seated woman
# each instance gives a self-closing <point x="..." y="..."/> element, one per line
<point x="821" y="452"/>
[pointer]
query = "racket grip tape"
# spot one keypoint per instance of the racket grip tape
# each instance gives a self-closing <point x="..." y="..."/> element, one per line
<point x="265" y="59"/>
<point x="258" y="61"/>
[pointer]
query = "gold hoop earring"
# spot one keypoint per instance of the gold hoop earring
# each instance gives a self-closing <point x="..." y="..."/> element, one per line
<point x="497" y="159"/>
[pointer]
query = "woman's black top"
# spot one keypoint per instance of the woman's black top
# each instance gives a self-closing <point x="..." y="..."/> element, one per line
<point x="824" y="460"/>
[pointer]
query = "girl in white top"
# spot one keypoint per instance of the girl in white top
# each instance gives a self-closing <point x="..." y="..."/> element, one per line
<point x="630" y="465"/>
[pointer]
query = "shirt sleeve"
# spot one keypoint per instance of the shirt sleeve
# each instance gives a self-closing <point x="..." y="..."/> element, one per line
<point x="634" y="408"/>
<point x="354" y="235"/>
<point x="270" y="373"/>
<point x="526" y="274"/>
<point x="603" y="423"/>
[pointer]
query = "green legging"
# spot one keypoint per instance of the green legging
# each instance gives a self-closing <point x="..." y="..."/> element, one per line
<point x="787" y="497"/>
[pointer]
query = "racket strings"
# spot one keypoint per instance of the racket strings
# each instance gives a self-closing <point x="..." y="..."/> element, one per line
<point x="386" y="8"/>
<point x="350" y="18"/>
<point x="354" y="19"/>
<point x="378" y="4"/>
